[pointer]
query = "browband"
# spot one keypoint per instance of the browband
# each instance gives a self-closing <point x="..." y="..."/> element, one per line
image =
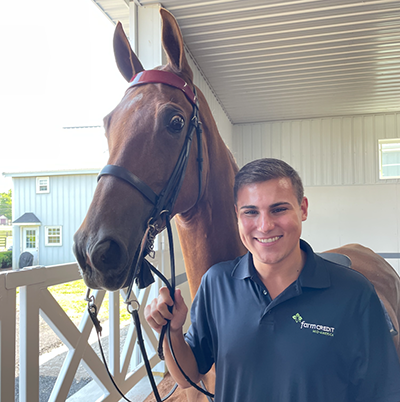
<point x="164" y="77"/>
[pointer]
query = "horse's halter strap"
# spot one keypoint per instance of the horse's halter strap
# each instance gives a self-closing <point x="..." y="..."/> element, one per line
<point x="165" y="201"/>
<point x="164" y="77"/>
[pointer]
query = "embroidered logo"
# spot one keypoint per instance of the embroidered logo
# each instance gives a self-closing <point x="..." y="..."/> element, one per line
<point x="316" y="328"/>
<point x="298" y="318"/>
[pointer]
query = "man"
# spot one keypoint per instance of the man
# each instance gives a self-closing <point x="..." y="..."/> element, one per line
<point x="281" y="323"/>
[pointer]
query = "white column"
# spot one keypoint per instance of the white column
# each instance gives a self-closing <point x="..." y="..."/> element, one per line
<point x="133" y="25"/>
<point x="145" y="29"/>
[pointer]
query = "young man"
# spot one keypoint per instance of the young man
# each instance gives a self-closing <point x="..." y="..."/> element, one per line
<point x="281" y="323"/>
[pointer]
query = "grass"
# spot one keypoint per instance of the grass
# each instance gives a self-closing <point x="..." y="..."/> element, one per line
<point x="71" y="296"/>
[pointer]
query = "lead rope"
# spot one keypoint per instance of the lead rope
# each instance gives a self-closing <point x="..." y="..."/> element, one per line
<point x="202" y="389"/>
<point x="92" y="310"/>
<point x="134" y="311"/>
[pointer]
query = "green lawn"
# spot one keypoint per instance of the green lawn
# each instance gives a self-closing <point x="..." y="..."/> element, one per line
<point x="71" y="296"/>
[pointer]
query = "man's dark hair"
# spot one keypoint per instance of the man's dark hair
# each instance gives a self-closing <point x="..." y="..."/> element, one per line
<point x="266" y="169"/>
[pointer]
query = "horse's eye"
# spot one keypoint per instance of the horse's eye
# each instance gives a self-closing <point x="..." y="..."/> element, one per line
<point x="176" y="124"/>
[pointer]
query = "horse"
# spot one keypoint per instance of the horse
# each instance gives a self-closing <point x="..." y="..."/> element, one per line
<point x="145" y="134"/>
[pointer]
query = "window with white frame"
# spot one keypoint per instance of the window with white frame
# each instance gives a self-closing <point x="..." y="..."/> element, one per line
<point x="389" y="158"/>
<point x="42" y="185"/>
<point x="53" y="235"/>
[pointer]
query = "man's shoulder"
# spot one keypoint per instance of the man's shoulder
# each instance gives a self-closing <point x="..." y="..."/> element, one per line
<point x="223" y="268"/>
<point x="345" y="276"/>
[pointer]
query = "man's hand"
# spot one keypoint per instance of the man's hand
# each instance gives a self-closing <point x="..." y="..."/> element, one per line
<point x="157" y="312"/>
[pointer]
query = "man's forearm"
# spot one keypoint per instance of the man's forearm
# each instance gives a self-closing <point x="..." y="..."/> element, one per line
<point x="185" y="358"/>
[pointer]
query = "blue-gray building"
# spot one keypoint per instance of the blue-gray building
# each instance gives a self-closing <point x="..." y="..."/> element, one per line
<point x="48" y="207"/>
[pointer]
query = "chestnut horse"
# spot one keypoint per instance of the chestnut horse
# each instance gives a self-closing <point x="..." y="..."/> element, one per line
<point x="145" y="134"/>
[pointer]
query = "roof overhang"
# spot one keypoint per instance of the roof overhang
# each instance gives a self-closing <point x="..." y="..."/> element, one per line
<point x="282" y="60"/>
<point x="27" y="219"/>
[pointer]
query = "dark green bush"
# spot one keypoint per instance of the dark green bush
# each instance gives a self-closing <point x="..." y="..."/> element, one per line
<point x="5" y="259"/>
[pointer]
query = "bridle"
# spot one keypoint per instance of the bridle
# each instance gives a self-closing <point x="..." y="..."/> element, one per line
<point x="163" y="206"/>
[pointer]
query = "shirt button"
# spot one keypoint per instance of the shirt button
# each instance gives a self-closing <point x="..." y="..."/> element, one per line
<point x="265" y="292"/>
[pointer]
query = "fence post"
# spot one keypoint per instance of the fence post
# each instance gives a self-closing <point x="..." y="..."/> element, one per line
<point x="29" y="344"/>
<point x="7" y="341"/>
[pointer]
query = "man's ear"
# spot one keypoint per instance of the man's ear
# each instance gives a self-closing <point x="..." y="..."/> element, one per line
<point x="236" y="211"/>
<point x="304" y="209"/>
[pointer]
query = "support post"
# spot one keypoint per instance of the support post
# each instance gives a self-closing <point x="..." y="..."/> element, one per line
<point x="29" y="344"/>
<point x="7" y="341"/>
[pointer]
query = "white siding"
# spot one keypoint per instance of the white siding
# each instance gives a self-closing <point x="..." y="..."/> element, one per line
<point x="337" y="159"/>
<point x="327" y="151"/>
<point x="66" y="205"/>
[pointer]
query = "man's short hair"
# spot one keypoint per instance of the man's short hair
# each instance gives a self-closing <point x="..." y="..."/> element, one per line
<point x="266" y="169"/>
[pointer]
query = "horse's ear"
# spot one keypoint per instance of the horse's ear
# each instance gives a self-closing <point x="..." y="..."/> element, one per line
<point x="172" y="42"/>
<point x="127" y="61"/>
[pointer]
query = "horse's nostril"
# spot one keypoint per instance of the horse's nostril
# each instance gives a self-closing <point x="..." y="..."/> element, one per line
<point x="112" y="253"/>
<point x="108" y="255"/>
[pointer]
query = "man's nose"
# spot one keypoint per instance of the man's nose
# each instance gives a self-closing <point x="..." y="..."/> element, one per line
<point x="265" y="223"/>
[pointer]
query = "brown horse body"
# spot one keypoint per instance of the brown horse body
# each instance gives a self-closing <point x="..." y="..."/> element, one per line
<point x="140" y="141"/>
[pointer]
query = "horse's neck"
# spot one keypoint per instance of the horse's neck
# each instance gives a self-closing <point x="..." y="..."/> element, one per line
<point x="208" y="234"/>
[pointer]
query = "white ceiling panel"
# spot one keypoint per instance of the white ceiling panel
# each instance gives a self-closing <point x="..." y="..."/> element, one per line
<point x="276" y="60"/>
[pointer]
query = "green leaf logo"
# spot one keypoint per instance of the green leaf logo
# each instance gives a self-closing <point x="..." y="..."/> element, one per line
<point x="298" y="318"/>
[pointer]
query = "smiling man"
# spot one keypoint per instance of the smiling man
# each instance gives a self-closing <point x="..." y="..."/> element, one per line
<point x="281" y="323"/>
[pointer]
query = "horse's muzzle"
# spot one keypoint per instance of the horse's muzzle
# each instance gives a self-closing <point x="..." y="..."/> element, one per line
<point x="104" y="265"/>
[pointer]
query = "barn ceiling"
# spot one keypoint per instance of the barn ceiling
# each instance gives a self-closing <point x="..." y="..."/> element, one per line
<point x="289" y="59"/>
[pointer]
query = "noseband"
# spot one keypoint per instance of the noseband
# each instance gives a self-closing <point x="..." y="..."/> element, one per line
<point x="163" y="207"/>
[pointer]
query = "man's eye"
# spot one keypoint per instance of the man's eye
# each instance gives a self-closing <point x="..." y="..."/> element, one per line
<point x="250" y="212"/>
<point x="278" y="210"/>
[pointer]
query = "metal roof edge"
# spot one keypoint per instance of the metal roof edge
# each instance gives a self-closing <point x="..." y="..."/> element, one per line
<point x="52" y="172"/>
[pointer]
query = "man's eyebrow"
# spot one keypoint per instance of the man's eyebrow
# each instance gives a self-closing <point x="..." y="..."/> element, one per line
<point x="278" y="204"/>
<point x="248" y="207"/>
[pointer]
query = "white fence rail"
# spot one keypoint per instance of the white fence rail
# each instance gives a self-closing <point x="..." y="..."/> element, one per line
<point x="36" y="299"/>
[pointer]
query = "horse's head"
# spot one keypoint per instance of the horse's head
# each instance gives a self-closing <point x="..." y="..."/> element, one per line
<point x="146" y="133"/>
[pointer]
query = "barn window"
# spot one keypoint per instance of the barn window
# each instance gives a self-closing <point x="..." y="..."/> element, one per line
<point x="42" y="185"/>
<point x="389" y="159"/>
<point x="53" y="236"/>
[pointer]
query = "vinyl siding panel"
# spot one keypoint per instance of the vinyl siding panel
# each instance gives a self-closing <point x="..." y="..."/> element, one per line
<point x="65" y="205"/>
<point x="327" y="151"/>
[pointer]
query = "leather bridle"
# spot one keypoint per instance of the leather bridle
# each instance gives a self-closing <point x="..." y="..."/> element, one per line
<point x="163" y="207"/>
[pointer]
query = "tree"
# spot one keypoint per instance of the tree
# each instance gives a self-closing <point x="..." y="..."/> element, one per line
<point x="6" y="204"/>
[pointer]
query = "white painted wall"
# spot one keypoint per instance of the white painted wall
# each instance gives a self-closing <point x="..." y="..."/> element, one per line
<point x="337" y="159"/>
<point x="368" y="214"/>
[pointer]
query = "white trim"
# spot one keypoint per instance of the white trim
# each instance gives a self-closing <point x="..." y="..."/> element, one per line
<point x="53" y="173"/>
<point x="42" y="182"/>
<point x="27" y="224"/>
<point x="22" y="241"/>
<point x="46" y="236"/>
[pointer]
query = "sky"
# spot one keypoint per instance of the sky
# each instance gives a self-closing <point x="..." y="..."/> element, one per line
<point x="57" y="70"/>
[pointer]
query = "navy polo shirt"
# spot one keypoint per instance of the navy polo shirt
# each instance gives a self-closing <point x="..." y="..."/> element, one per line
<point x="324" y="338"/>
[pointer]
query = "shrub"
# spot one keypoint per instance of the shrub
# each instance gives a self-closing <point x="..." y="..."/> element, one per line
<point x="5" y="259"/>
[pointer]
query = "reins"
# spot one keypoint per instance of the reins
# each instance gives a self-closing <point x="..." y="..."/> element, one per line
<point x="163" y="206"/>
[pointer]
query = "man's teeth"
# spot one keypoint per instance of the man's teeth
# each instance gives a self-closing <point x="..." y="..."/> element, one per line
<point x="270" y="240"/>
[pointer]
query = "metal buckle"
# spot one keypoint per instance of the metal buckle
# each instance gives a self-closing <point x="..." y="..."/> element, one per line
<point x="130" y="308"/>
